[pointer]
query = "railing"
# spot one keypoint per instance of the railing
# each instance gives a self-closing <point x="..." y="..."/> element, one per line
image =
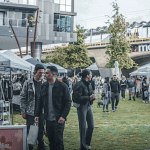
<point x="15" y="22"/>
<point x="107" y="42"/>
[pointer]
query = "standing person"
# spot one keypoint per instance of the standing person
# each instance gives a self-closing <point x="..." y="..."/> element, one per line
<point x="74" y="81"/>
<point x="65" y="80"/>
<point x="131" y="87"/>
<point x="98" y="88"/>
<point x="145" y="89"/>
<point x="115" y="92"/>
<point x="83" y="96"/>
<point x="28" y="99"/>
<point x="138" y="86"/>
<point x="107" y="94"/>
<point x="55" y="99"/>
<point x="123" y="86"/>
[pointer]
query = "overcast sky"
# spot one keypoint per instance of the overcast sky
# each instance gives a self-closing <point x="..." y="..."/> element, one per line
<point x="91" y="13"/>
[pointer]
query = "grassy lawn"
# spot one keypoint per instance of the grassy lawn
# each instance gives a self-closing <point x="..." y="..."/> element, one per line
<point x="126" y="129"/>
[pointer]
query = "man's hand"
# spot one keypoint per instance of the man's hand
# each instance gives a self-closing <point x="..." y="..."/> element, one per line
<point x="92" y="97"/>
<point x="23" y="116"/>
<point x="61" y="120"/>
<point x="36" y="119"/>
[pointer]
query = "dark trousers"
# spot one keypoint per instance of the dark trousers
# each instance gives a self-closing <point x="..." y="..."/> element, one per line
<point x="30" y="121"/>
<point x="123" y="93"/>
<point x="106" y="107"/>
<point x="113" y="97"/>
<point x="85" y="114"/>
<point x="55" y="134"/>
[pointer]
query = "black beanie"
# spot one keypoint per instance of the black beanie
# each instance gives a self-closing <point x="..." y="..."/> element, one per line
<point x="38" y="66"/>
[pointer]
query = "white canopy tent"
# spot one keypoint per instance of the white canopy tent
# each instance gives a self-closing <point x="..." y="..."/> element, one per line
<point x="8" y="61"/>
<point x="20" y="60"/>
<point x="93" y="67"/>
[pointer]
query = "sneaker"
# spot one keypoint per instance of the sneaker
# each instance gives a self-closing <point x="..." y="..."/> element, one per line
<point x="134" y="98"/>
<point x="103" y="111"/>
<point x="113" y="110"/>
<point x="107" y="111"/>
<point x="123" y="99"/>
<point x="130" y="99"/>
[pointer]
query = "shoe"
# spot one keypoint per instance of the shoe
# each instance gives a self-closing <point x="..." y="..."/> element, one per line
<point x="113" y="110"/>
<point x="134" y="98"/>
<point x="123" y="99"/>
<point x="107" y="111"/>
<point x="143" y="101"/>
<point x="85" y="147"/>
<point x="130" y="99"/>
<point x="103" y="111"/>
<point x="115" y="107"/>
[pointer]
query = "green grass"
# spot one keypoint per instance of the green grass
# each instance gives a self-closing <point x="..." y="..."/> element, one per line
<point x="126" y="129"/>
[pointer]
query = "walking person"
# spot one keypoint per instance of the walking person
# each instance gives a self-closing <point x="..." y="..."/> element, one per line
<point x="131" y="87"/>
<point x="115" y="92"/>
<point x="107" y="95"/>
<point x="28" y="99"/>
<point x="55" y="100"/>
<point x="83" y="96"/>
<point x="123" y="85"/>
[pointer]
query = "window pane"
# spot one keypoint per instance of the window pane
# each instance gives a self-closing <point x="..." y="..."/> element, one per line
<point x="68" y="8"/>
<point x="32" y="2"/>
<point x="68" y="2"/>
<point x="56" y="1"/>
<point x="68" y="21"/>
<point x="56" y="23"/>
<point x="62" y="8"/>
<point x="62" y="2"/>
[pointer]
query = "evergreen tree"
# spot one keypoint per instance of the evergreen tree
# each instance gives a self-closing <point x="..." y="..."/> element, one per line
<point x="119" y="46"/>
<point x="72" y="56"/>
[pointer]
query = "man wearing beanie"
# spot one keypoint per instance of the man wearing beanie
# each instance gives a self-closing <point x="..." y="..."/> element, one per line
<point x="115" y="92"/>
<point x="28" y="97"/>
<point x="55" y="99"/>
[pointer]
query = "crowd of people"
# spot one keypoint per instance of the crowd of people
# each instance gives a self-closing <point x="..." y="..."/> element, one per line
<point x="47" y="99"/>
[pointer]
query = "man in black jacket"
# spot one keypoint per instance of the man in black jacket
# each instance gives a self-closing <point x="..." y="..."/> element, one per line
<point x="56" y="101"/>
<point x="115" y="92"/>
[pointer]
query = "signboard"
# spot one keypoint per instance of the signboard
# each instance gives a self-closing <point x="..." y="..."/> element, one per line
<point x="13" y="137"/>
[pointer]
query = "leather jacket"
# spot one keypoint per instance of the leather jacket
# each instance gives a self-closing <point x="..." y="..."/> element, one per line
<point x="81" y="94"/>
<point x="27" y="97"/>
<point x="60" y="98"/>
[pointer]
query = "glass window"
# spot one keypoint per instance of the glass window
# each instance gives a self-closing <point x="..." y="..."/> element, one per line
<point x="68" y="2"/>
<point x="63" y="2"/>
<point x="141" y="49"/>
<point x="56" y="1"/>
<point x="62" y="23"/>
<point x="68" y="8"/>
<point x="62" y="8"/>
<point x="65" y="5"/>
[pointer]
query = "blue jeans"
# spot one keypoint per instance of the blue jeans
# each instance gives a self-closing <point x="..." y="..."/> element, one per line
<point x="85" y="114"/>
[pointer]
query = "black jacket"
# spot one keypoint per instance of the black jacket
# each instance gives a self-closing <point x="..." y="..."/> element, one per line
<point x="60" y="98"/>
<point x="115" y="86"/>
<point x="81" y="93"/>
<point x="123" y="86"/>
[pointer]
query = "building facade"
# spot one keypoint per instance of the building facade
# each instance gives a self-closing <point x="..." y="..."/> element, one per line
<point x="55" y="22"/>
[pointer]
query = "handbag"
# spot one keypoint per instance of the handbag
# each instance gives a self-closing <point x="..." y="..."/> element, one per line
<point x="33" y="134"/>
